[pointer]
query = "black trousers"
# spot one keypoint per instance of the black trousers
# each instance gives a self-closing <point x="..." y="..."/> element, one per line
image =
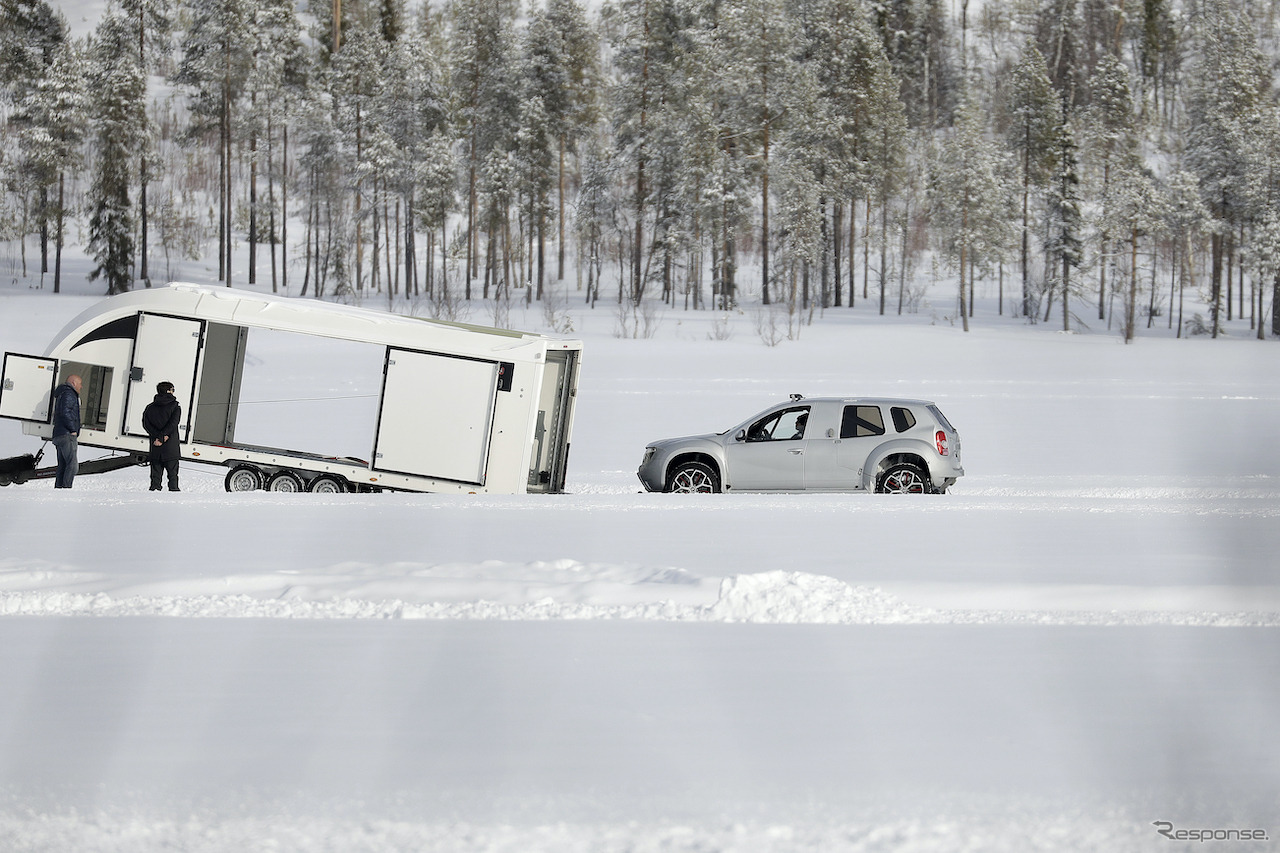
<point x="164" y="466"/>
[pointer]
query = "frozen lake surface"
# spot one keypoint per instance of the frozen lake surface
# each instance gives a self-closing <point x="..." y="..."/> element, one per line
<point x="1078" y="641"/>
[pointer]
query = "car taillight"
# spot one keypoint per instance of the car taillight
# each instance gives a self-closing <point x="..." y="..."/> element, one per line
<point x="941" y="439"/>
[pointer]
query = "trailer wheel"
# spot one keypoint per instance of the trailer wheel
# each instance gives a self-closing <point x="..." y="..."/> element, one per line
<point x="284" y="481"/>
<point x="328" y="484"/>
<point x="243" y="478"/>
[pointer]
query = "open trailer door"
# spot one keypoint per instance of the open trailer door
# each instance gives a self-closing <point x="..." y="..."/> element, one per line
<point x="26" y="387"/>
<point x="437" y="416"/>
<point x="550" y="459"/>
<point x="167" y="348"/>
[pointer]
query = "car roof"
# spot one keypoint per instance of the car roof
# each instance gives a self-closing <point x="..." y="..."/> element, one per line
<point x="892" y="401"/>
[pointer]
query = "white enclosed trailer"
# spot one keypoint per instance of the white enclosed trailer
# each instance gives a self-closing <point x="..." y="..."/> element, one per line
<point x="456" y="408"/>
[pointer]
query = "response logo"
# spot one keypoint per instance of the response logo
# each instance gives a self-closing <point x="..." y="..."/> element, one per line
<point x="1168" y="830"/>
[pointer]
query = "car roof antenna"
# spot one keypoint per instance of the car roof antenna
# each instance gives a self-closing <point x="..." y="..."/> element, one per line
<point x="797" y="397"/>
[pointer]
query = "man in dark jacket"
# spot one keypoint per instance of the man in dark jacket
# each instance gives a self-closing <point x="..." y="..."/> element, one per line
<point x="66" y="430"/>
<point x="161" y="419"/>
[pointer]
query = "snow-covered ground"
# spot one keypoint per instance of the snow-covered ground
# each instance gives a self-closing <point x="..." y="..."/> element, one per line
<point x="1076" y="642"/>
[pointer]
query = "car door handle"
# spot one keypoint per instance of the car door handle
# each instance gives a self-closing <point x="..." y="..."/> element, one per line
<point x="799" y="451"/>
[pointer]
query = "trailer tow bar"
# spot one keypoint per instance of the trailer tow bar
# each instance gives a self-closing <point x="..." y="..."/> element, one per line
<point x="20" y="469"/>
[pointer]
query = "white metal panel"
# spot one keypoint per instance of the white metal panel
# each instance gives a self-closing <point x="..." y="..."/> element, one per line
<point x="26" y="387"/>
<point x="167" y="348"/>
<point x="437" y="413"/>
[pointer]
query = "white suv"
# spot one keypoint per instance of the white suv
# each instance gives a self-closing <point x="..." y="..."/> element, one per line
<point x="827" y="444"/>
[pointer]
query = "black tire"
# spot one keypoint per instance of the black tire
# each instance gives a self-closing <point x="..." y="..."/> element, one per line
<point x="243" y="478"/>
<point x="284" y="481"/>
<point x="693" y="478"/>
<point x="904" y="478"/>
<point x="329" y="484"/>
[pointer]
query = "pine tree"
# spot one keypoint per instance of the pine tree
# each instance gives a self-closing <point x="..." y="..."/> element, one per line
<point x="967" y="195"/>
<point x="31" y="34"/>
<point x="1138" y="210"/>
<point x="413" y="106"/>
<point x="1032" y="134"/>
<point x="55" y="120"/>
<point x="274" y="81"/>
<point x="357" y="83"/>
<point x="1231" y="81"/>
<point x="216" y="59"/>
<point x="121" y="86"/>
<point x="563" y="72"/>
<point x="1187" y="220"/>
<point x="650" y="45"/>
<point x="435" y="180"/>
<point x="483" y="62"/>
<point x="150" y="20"/>
<point x="1064" y="246"/>
<point x="1111" y="137"/>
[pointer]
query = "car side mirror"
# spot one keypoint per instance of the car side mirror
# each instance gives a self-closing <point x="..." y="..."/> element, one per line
<point x="741" y="436"/>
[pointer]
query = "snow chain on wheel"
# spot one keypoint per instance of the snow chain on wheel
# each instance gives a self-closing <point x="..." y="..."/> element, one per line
<point x="693" y="478"/>
<point x="904" y="478"/>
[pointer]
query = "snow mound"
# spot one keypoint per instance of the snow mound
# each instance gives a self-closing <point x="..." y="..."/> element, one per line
<point x="803" y="598"/>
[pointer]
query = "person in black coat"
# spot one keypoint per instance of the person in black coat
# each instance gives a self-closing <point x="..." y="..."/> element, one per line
<point x="66" y="430"/>
<point x="161" y="419"/>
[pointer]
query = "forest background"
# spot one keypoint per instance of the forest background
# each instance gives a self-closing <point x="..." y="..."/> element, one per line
<point x="1108" y="159"/>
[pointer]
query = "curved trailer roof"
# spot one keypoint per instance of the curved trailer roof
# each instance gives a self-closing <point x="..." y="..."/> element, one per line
<point x="295" y="314"/>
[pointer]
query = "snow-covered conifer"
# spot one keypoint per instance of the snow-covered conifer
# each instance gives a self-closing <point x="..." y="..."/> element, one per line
<point x="118" y="79"/>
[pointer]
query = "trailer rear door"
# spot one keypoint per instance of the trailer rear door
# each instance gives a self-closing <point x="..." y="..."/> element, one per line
<point x="550" y="459"/>
<point x="167" y="348"/>
<point x="26" y="387"/>
<point x="436" y="416"/>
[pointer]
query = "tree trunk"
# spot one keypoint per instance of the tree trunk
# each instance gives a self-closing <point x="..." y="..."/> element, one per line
<point x="1215" y="282"/>
<point x="764" y="222"/>
<point x="271" y="208"/>
<point x="853" y="249"/>
<point x="59" y="237"/>
<point x="1026" y="192"/>
<point x="866" y="250"/>
<point x="560" y="243"/>
<point x="1131" y="303"/>
<point x="284" y="208"/>
<point x="884" y="253"/>
<point x="824" y="276"/>
<point x="837" y="233"/>
<point x="964" y="257"/>
<point x="1275" y="306"/>
<point x="253" y="208"/>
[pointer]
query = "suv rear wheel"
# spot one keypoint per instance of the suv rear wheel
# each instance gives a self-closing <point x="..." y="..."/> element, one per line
<point x="904" y="478"/>
<point x="693" y="477"/>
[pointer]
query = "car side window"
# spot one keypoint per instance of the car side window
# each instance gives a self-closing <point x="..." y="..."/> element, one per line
<point x="780" y="426"/>
<point x="903" y="419"/>
<point x="860" y="421"/>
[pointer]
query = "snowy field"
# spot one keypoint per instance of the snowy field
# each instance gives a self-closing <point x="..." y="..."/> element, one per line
<point x="1080" y="640"/>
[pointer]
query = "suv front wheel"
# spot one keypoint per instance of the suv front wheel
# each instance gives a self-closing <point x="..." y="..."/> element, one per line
<point x="904" y="478"/>
<point x="693" y="478"/>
